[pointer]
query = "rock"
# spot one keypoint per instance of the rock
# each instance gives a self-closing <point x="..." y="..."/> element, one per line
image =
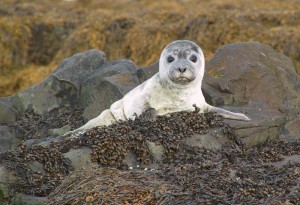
<point x="144" y="73"/>
<point x="23" y="199"/>
<point x="36" y="167"/>
<point x="256" y="75"/>
<point x="4" y="191"/>
<point x="215" y="139"/>
<point x="62" y="87"/>
<point x="31" y="142"/>
<point x="288" y="160"/>
<point x="291" y="130"/>
<point x="59" y="131"/>
<point x="7" y="114"/>
<point x="131" y="159"/>
<point x="107" y="85"/>
<point x="6" y="178"/>
<point x="8" y="139"/>
<point x="157" y="151"/>
<point x="257" y="80"/>
<point x="264" y="125"/>
<point x="76" y="68"/>
<point x="80" y="158"/>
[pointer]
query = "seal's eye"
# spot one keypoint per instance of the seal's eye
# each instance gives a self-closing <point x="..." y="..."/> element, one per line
<point x="193" y="58"/>
<point x="170" y="59"/>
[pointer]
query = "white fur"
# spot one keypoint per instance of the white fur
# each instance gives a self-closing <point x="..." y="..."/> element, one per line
<point x="160" y="93"/>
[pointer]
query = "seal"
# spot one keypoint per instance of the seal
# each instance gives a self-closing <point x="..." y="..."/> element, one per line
<point x="176" y="87"/>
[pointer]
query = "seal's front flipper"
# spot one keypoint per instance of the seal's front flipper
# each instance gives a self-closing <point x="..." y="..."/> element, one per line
<point x="229" y="115"/>
<point x="74" y="134"/>
<point x="149" y="114"/>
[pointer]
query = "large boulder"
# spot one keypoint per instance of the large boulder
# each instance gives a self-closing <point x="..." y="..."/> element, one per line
<point x="107" y="85"/>
<point x="291" y="130"/>
<point x="62" y="87"/>
<point x="257" y="80"/>
<point x="256" y="75"/>
<point x="7" y="113"/>
<point x="8" y="139"/>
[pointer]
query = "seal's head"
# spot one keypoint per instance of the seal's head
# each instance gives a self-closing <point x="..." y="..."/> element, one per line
<point x="181" y="64"/>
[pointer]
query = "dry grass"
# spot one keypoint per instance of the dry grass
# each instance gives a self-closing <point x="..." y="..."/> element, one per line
<point x="35" y="36"/>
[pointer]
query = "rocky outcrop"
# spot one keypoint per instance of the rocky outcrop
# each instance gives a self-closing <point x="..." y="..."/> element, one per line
<point x="261" y="81"/>
<point x="107" y="85"/>
<point x="291" y="130"/>
<point x="244" y="77"/>
<point x="257" y="76"/>
<point x="62" y="87"/>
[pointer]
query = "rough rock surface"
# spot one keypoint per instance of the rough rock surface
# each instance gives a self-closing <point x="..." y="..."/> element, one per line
<point x="107" y="85"/>
<point x="256" y="75"/>
<point x="7" y="114"/>
<point x="62" y="87"/>
<point x="291" y="130"/>
<point x="8" y="139"/>
<point x="243" y="77"/>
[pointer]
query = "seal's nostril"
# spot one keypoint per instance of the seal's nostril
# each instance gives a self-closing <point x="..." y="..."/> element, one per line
<point x="182" y="70"/>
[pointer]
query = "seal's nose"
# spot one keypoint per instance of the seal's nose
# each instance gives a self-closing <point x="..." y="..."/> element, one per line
<point x="182" y="70"/>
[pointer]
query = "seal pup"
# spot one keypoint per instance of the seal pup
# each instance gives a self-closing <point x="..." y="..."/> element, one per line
<point x="176" y="87"/>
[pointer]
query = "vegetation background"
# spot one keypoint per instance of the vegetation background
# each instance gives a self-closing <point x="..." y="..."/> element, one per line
<point x="35" y="35"/>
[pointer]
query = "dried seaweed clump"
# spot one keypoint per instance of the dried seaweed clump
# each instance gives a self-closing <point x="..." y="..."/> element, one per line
<point x="111" y="144"/>
<point x="196" y="176"/>
<point x="110" y="186"/>
<point x="41" y="167"/>
<point x="35" y="126"/>
<point x="38" y="169"/>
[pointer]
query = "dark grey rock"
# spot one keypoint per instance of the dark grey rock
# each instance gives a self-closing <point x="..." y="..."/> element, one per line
<point x="255" y="74"/>
<point x="59" y="131"/>
<point x="62" y="87"/>
<point x="23" y="199"/>
<point x="31" y="142"/>
<point x="48" y="95"/>
<point x="216" y="98"/>
<point x="14" y="103"/>
<point x="144" y="73"/>
<point x="7" y="114"/>
<point x="107" y="85"/>
<point x="37" y="167"/>
<point x="4" y="181"/>
<point x="80" y="158"/>
<point x="76" y="68"/>
<point x="6" y="178"/>
<point x="157" y="151"/>
<point x="8" y="139"/>
<point x="215" y="139"/>
<point x="264" y="125"/>
<point x="131" y="159"/>
<point x="287" y="160"/>
<point x="291" y="130"/>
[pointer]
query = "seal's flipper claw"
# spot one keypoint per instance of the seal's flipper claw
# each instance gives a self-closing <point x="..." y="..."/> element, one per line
<point x="149" y="114"/>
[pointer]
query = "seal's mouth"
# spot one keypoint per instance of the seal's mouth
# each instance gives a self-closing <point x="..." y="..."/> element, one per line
<point x="183" y="80"/>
